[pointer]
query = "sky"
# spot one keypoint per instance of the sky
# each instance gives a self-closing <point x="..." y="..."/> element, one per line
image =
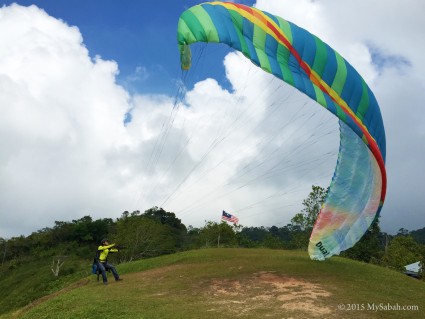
<point x="97" y="117"/>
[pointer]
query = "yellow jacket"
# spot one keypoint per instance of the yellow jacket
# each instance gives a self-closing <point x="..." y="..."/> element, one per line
<point x="105" y="250"/>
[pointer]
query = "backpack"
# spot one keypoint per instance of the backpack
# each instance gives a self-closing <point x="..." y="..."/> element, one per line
<point x="94" y="267"/>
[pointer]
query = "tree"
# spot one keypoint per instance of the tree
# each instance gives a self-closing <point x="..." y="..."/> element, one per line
<point x="81" y="230"/>
<point x="254" y="234"/>
<point x="216" y="234"/>
<point x="143" y="237"/>
<point x="176" y="227"/>
<point x="100" y="228"/>
<point x="3" y="243"/>
<point x="165" y="218"/>
<point x="312" y="204"/>
<point x="284" y="233"/>
<point x="418" y="235"/>
<point x="193" y="240"/>
<point x="403" y="250"/>
<point x="302" y="223"/>
<point x="272" y="241"/>
<point x="402" y="232"/>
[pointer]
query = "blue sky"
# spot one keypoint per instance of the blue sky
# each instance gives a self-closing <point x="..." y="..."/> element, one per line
<point x="139" y="35"/>
<point x="64" y="143"/>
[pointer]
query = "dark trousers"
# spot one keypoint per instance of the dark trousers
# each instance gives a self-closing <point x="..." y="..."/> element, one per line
<point x="103" y="267"/>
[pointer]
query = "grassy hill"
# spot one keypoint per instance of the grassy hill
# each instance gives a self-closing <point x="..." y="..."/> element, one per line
<point x="243" y="283"/>
<point x="33" y="279"/>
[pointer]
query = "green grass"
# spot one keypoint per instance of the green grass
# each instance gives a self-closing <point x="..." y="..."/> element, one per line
<point x="244" y="283"/>
<point x="30" y="281"/>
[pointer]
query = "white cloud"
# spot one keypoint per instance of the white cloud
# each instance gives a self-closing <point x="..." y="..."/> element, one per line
<point x="61" y="113"/>
<point x="66" y="151"/>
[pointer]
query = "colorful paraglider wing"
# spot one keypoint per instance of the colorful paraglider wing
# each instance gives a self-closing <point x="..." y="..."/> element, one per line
<point x="357" y="191"/>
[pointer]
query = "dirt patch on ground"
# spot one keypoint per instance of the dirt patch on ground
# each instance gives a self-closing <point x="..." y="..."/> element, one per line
<point x="271" y="295"/>
<point x="260" y="295"/>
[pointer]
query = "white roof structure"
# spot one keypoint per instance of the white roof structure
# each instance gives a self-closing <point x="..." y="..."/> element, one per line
<point x="413" y="269"/>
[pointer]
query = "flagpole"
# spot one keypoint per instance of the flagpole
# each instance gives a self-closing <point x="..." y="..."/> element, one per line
<point x="219" y="230"/>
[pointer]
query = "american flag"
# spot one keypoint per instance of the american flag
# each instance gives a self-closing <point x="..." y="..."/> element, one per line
<point x="230" y="218"/>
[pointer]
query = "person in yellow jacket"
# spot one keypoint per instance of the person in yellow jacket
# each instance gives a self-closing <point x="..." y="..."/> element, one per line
<point x="103" y="250"/>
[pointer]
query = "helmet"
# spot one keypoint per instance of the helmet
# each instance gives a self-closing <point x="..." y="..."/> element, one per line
<point x="104" y="240"/>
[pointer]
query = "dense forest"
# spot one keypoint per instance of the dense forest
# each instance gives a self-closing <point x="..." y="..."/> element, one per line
<point x="156" y="232"/>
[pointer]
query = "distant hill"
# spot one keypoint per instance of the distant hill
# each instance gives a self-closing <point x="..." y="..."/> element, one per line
<point x="242" y="283"/>
<point x="418" y="235"/>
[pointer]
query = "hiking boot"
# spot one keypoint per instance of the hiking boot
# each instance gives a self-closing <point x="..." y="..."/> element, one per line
<point x="119" y="279"/>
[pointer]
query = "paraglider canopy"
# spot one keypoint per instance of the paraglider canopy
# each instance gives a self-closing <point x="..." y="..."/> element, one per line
<point x="357" y="190"/>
